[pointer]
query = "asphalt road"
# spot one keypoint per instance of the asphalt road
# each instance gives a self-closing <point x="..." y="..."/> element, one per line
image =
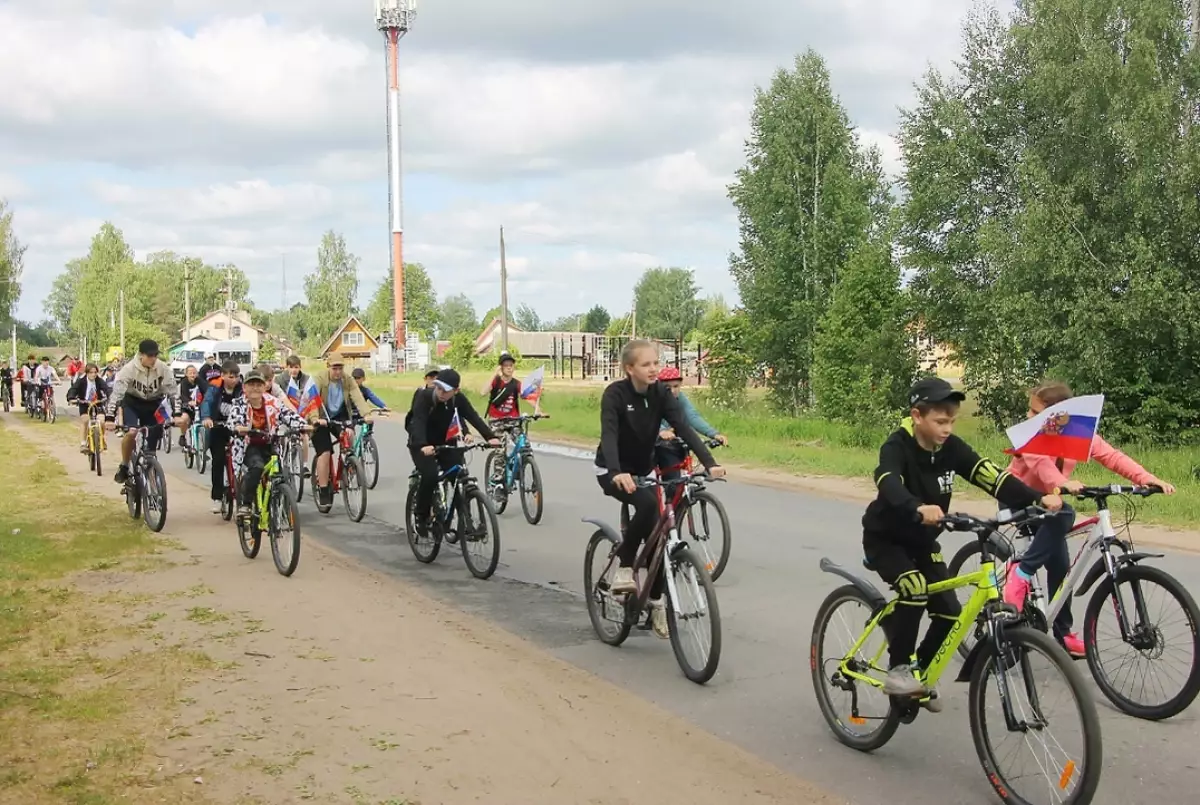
<point x="762" y="697"/>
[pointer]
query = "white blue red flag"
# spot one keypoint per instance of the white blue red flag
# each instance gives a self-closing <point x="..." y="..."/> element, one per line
<point x="1063" y="431"/>
<point x="163" y="413"/>
<point x="531" y="388"/>
<point x="455" y="430"/>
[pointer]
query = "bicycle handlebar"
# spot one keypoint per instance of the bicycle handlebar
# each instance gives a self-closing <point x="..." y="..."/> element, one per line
<point x="966" y="522"/>
<point x="677" y="442"/>
<point x="648" y="482"/>
<point x="1103" y="492"/>
<point x="442" y="448"/>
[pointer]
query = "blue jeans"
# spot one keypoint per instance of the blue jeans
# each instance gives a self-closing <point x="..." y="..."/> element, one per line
<point x="1049" y="549"/>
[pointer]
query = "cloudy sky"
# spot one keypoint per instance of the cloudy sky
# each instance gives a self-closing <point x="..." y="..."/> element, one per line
<point x="601" y="135"/>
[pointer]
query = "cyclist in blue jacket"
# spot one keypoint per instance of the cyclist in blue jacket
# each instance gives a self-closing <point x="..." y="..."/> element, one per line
<point x="671" y="454"/>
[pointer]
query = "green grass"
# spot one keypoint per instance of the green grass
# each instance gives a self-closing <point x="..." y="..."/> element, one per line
<point x="810" y="445"/>
<point x="72" y="716"/>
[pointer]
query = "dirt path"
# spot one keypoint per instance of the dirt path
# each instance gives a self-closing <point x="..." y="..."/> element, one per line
<point x="342" y="685"/>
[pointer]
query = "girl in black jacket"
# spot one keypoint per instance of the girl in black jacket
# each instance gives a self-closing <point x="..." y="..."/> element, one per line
<point x="88" y="388"/>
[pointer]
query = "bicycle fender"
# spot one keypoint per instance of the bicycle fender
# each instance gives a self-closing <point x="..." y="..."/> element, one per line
<point x="968" y="667"/>
<point x="610" y="533"/>
<point x="868" y="589"/>
<point x="1098" y="570"/>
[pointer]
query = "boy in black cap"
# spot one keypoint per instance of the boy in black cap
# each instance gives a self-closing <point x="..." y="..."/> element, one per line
<point x="915" y="478"/>
<point x="435" y="420"/>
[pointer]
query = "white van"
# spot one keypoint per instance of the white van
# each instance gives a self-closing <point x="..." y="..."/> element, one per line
<point x="193" y="353"/>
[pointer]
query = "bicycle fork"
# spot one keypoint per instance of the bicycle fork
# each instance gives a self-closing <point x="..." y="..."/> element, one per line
<point x="1005" y="657"/>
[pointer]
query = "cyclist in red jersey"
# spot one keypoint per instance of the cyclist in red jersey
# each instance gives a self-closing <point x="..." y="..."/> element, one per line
<point x="504" y="390"/>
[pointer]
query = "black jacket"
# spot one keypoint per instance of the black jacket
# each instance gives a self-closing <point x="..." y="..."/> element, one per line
<point x="187" y="389"/>
<point x="429" y="419"/>
<point x="210" y="372"/>
<point x="909" y="476"/>
<point x="78" y="389"/>
<point x="629" y="428"/>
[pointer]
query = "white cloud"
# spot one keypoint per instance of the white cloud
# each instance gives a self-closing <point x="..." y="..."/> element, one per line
<point x="602" y="137"/>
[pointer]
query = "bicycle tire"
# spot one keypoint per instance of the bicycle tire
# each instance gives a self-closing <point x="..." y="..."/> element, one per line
<point x="133" y="498"/>
<point x="1187" y="693"/>
<point x="227" y="504"/>
<point x="371" y="466"/>
<point x="154" y="516"/>
<point x="167" y="441"/>
<point x="590" y="586"/>
<point x="298" y="472"/>
<point x="1018" y="636"/>
<point x="708" y="499"/>
<point x="189" y="457"/>
<point x="466" y="495"/>
<point x="817" y="666"/>
<point x="532" y="517"/>
<point x="423" y="556"/>
<point x="497" y="491"/>
<point x="97" y="447"/>
<point x="249" y="537"/>
<point x="51" y="412"/>
<point x="286" y="507"/>
<point x="352" y="470"/>
<point x="202" y="452"/>
<point x="680" y="558"/>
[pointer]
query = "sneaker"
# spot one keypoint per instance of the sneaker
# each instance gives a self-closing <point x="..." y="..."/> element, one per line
<point x="1016" y="587"/>
<point x="900" y="681"/>
<point x="658" y="618"/>
<point x="122" y="474"/>
<point x="216" y="507"/>
<point x="623" y="581"/>
<point x="182" y="442"/>
<point x="933" y="703"/>
<point x="83" y="448"/>
<point x="244" y="511"/>
<point x="1074" y="645"/>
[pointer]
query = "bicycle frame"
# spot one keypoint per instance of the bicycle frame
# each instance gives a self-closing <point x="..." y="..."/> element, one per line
<point x="361" y="434"/>
<point x="512" y="467"/>
<point x="272" y="468"/>
<point x="93" y="422"/>
<point x="987" y="590"/>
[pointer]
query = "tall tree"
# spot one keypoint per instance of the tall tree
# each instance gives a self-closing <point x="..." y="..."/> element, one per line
<point x="107" y="270"/>
<point x="805" y="202"/>
<point x="420" y="303"/>
<point x="457" y="317"/>
<point x="527" y="319"/>
<point x="1052" y="215"/>
<point x="596" y="320"/>
<point x="330" y="290"/>
<point x="63" y="293"/>
<point x="12" y="258"/>
<point x="666" y="301"/>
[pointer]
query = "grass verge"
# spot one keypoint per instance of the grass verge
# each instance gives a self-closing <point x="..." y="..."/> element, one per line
<point x="813" y="446"/>
<point x="76" y="705"/>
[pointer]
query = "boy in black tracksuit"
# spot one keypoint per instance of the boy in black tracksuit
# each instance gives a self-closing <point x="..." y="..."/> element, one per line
<point x="915" y="478"/>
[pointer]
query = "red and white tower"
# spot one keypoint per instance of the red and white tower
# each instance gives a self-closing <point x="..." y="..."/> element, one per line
<point x="394" y="18"/>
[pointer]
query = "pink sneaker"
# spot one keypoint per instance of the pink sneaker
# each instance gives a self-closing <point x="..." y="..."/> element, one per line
<point x="1074" y="645"/>
<point x="1016" y="587"/>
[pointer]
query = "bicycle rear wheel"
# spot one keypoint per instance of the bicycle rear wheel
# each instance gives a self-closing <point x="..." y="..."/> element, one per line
<point x="1143" y="592"/>
<point x="154" y="495"/>
<point x="607" y="612"/>
<point x="494" y="470"/>
<point x="479" y="532"/>
<point x="354" y="489"/>
<point x="696" y="604"/>
<point x="283" y="522"/>
<point x="1064" y="767"/>
<point x="530" y="485"/>
<point x="703" y="513"/>
<point x="202" y="450"/>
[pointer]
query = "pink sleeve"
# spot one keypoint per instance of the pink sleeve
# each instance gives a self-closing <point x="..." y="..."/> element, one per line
<point x="1112" y="458"/>
<point x="1043" y="474"/>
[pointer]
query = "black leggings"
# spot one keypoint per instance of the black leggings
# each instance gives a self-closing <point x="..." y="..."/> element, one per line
<point x="256" y="458"/>
<point x="644" y="503"/>
<point x="218" y="444"/>
<point x="429" y="468"/>
<point x="910" y="570"/>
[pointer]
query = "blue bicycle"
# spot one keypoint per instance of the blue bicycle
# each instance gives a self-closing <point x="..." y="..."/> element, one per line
<point x="195" y="447"/>
<point x="513" y="466"/>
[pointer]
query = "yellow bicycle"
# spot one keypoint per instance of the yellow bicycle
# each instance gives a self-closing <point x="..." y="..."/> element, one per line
<point x="96" y="441"/>
<point x="1065" y="769"/>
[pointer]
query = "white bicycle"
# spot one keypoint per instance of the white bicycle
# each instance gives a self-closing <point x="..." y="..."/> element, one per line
<point x="1139" y="627"/>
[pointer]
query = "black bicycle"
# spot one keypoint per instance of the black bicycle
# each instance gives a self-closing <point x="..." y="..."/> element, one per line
<point x="461" y="513"/>
<point x="146" y="486"/>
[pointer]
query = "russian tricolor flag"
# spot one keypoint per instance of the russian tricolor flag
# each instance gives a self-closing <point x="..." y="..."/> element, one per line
<point x="455" y="429"/>
<point x="163" y="413"/>
<point x="1063" y="431"/>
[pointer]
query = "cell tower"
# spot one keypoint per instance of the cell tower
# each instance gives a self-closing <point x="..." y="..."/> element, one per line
<point x="394" y="18"/>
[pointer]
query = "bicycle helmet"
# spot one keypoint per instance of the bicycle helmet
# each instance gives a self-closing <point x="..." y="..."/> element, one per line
<point x="669" y="373"/>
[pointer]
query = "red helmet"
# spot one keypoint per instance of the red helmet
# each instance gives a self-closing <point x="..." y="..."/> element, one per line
<point x="669" y="373"/>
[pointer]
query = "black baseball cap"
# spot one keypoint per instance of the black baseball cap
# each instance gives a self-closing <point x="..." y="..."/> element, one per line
<point x="448" y="380"/>
<point x="933" y="390"/>
<point x="254" y="376"/>
<point x="149" y="348"/>
<point x="504" y="356"/>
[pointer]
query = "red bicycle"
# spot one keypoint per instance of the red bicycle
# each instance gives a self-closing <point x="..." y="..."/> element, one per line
<point x="345" y="475"/>
<point x="229" y="494"/>
<point x="46" y="404"/>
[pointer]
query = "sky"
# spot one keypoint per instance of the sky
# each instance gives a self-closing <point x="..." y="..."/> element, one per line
<point x="603" y="137"/>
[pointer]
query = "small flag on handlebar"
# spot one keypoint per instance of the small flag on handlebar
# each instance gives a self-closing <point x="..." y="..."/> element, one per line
<point x="531" y="388"/>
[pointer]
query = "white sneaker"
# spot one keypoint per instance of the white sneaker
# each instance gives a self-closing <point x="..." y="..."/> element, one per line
<point x="658" y="618"/>
<point x="901" y="681"/>
<point x="623" y="581"/>
<point x="216" y="507"/>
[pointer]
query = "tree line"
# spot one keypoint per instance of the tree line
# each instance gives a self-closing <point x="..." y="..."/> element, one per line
<point x="1044" y="224"/>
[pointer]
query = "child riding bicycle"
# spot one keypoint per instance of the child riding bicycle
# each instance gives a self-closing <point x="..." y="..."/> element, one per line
<point x="915" y="478"/>
<point x="1049" y="545"/>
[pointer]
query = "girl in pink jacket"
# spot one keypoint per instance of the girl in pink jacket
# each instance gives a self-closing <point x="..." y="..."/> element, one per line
<point x="1049" y="545"/>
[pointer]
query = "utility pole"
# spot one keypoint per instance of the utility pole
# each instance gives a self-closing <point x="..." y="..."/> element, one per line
<point x="503" y="296"/>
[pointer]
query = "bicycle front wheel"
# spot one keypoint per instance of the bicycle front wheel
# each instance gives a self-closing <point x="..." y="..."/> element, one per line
<point x="154" y="495"/>
<point x="425" y="548"/>
<point x="370" y="462"/>
<point x="479" y="533"/>
<point x="354" y="490"/>
<point x="1061" y="767"/>
<point x="693" y="618"/>
<point x="1156" y="673"/>
<point x="531" y="490"/>
<point x="283" y="524"/>
<point x="704" y="514"/>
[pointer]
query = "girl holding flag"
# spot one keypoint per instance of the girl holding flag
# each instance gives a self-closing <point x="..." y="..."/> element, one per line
<point x="88" y="388"/>
<point x="1068" y="435"/>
